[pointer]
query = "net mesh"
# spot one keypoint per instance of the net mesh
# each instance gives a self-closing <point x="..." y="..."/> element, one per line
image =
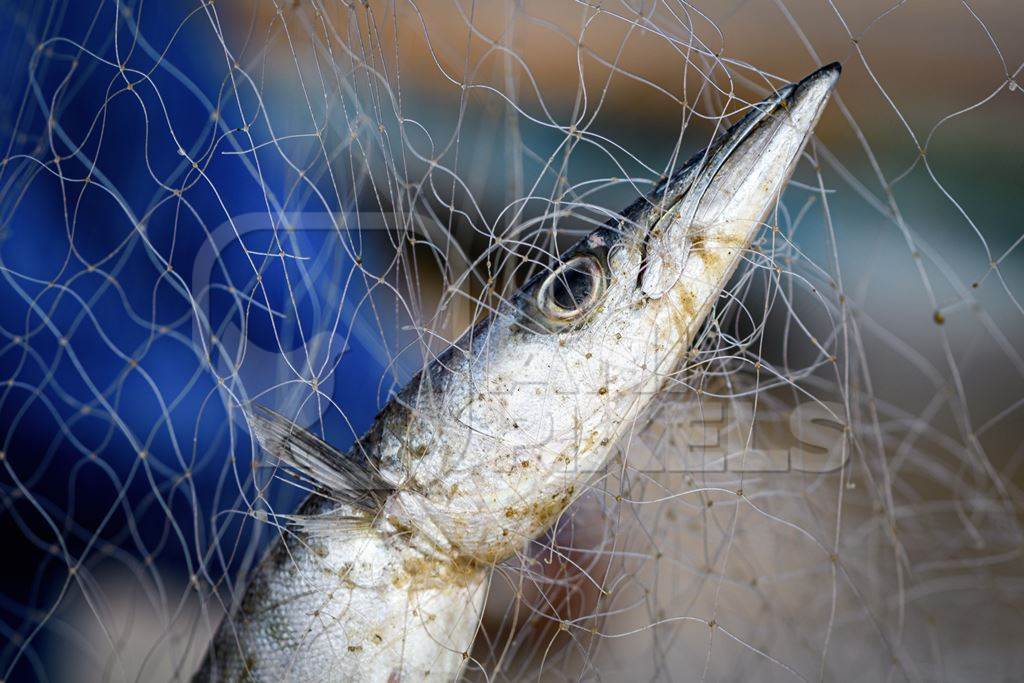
<point x="300" y="204"/>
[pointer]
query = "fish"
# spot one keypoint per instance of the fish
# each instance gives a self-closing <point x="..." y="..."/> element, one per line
<point x="382" y="573"/>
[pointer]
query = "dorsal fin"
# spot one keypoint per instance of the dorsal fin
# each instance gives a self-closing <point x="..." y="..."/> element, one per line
<point x="344" y="478"/>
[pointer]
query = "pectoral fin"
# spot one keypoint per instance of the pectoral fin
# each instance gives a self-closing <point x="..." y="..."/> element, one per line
<point x="347" y="478"/>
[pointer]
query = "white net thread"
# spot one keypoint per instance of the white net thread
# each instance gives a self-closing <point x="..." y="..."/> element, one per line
<point x="210" y="204"/>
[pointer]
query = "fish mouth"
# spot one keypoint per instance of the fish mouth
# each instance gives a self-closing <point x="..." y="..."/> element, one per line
<point x="736" y="180"/>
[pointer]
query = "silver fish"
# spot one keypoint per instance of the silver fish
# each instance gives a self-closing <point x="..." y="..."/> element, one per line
<point x="383" y="575"/>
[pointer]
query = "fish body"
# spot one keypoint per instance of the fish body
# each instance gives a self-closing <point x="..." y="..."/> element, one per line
<point x="357" y="605"/>
<point x="383" y="576"/>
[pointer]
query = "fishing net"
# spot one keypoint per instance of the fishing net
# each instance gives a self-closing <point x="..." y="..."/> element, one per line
<point x="206" y="205"/>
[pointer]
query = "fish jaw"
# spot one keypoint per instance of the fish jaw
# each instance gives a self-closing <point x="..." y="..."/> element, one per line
<point x="523" y="414"/>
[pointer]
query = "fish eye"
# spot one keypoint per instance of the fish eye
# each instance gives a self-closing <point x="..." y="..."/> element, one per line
<point x="572" y="289"/>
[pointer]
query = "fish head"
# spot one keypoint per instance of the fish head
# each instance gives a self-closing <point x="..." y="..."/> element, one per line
<point x="632" y="295"/>
<point x="548" y="384"/>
